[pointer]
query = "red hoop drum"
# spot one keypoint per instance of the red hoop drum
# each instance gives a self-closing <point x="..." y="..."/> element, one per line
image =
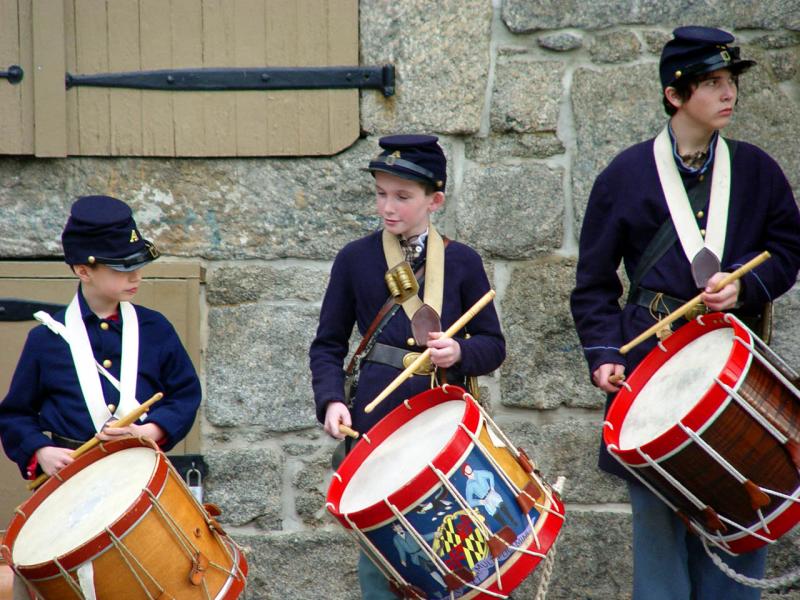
<point x="119" y="523"/>
<point x="442" y="501"/>
<point x="710" y="422"/>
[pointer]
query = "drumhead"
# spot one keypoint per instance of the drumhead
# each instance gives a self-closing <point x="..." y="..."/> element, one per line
<point x="676" y="387"/>
<point x="402" y="455"/>
<point x="85" y="504"/>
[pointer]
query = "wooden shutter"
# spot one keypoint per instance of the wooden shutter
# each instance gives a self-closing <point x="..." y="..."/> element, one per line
<point x="51" y="37"/>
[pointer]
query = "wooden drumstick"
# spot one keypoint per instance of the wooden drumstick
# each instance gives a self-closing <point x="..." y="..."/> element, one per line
<point x="348" y="431"/>
<point x="730" y="278"/>
<point x="88" y="445"/>
<point x="615" y="379"/>
<point x="451" y="331"/>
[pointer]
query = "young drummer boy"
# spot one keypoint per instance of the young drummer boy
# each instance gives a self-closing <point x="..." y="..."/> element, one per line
<point x="95" y="361"/>
<point x="717" y="224"/>
<point x="410" y="178"/>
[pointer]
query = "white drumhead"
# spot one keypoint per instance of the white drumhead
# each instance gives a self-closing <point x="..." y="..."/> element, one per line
<point x="676" y="387"/>
<point x="84" y="505"/>
<point x="402" y="456"/>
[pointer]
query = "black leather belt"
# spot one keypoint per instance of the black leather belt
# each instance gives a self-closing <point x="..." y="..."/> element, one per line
<point x="663" y="303"/>
<point x="399" y="358"/>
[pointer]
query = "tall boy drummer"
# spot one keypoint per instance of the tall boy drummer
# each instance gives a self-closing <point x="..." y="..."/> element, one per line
<point x="93" y="362"/>
<point x="410" y="178"/>
<point x="726" y="202"/>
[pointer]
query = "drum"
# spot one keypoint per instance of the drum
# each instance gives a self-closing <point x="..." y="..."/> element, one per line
<point x="119" y="523"/>
<point x="710" y="422"/>
<point x="443" y="503"/>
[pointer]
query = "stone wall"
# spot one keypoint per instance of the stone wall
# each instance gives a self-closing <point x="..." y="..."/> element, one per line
<point x="531" y="99"/>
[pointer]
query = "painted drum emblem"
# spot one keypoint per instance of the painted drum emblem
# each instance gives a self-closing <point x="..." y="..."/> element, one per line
<point x="459" y="541"/>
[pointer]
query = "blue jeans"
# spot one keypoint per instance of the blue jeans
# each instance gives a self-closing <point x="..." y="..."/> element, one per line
<point x="670" y="563"/>
<point x="374" y="586"/>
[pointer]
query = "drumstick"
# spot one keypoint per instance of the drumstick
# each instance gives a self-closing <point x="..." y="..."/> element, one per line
<point x="451" y="331"/>
<point x="88" y="445"/>
<point x="348" y="431"/>
<point x="615" y="379"/>
<point x="674" y="316"/>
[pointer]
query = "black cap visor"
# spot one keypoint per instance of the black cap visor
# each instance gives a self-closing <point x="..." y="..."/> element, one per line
<point x="401" y="168"/>
<point x="726" y="58"/>
<point x="131" y="262"/>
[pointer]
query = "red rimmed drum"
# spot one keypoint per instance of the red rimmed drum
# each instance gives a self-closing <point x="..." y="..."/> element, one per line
<point x="710" y="422"/>
<point x="442" y="501"/>
<point x="119" y="523"/>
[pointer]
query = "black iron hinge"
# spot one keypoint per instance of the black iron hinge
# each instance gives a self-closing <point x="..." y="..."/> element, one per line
<point x="252" y="78"/>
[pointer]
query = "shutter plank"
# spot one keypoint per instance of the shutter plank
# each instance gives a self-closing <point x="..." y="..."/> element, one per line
<point x="312" y="51"/>
<point x="158" y="137"/>
<point x="219" y="108"/>
<point x="187" y="51"/>
<point x="92" y="57"/>
<point x="342" y="39"/>
<point x="283" y="137"/>
<point x="49" y="98"/>
<point x="71" y="59"/>
<point x="249" y="51"/>
<point x="124" y="55"/>
<point x="12" y="26"/>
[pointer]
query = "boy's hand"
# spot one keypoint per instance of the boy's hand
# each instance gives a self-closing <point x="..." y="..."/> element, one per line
<point x="723" y="299"/>
<point x="148" y="430"/>
<point x="52" y="459"/>
<point x="445" y="352"/>
<point x="336" y="413"/>
<point x="603" y="372"/>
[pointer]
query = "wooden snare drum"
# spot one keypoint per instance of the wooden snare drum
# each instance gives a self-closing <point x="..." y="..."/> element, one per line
<point x="710" y="422"/>
<point x="119" y="523"/>
<point x="443" y="503"/>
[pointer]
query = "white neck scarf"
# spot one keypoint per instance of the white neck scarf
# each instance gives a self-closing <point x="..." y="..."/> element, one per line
<point x="678" y="202"/>
<point x="88" y="369"/>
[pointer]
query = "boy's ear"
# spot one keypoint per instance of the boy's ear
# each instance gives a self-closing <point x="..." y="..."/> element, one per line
<point x="673" y="97"/>
<point x="438" y="201"/>
<point x="82" y="271"/>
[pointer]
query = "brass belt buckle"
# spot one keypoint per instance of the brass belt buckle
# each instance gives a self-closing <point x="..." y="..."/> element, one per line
<point x="696" y="310"/>
<point x="426" y="368"/>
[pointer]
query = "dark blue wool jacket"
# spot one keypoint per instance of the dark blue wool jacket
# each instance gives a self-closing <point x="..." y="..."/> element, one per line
<point x="356" y="293"/>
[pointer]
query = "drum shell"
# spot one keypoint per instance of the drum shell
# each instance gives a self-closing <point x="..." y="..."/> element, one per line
<point x="732" y="432"/>
<point x="146" y="534"/>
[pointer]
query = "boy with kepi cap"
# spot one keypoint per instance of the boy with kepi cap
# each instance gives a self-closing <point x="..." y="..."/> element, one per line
<point x="366" y="289"/>
<point x="680" y="211"/>
<point x="95" y="361"/>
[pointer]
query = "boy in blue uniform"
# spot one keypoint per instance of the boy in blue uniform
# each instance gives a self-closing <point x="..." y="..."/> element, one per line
<point x="410" y="178"/>
<point x="95" y="361"/>
<point x="669" y="186"/>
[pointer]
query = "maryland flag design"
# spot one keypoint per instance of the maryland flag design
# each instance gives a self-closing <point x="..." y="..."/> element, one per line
<point x="459" y="541"/>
